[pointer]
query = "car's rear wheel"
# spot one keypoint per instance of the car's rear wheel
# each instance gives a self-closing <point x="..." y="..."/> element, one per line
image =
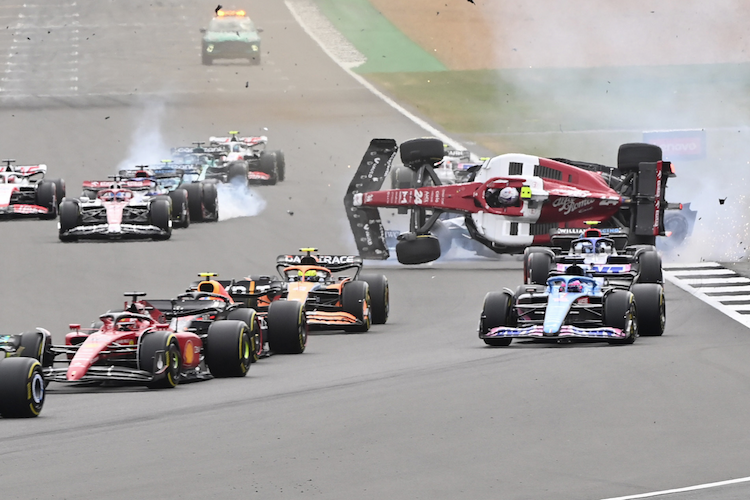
<point x="424" y="248"/>
<point x="250" y="318"/>
<point x="228" y="348"/>
<point x="210" y="201"/>
<point x="159" y="354"/>
<point x="536" y="266"/>
<point x="195" y="201"/>
<point x="496" y="311"/>
<point x="649" y="267"/>
<point x="652" y="311"/>
<point x="355" y="300"/>
<point x="45" y="197"/>
<point x="59" y="190"/>
<point x="287" y="327"/>
<point x="416" y="152"/>
<point x="379" y="297"/>
<point x="22" y="387"/>
<point x="280" y="164"/>
<point x="237" y="174"/>
<point x="180" y="210"/>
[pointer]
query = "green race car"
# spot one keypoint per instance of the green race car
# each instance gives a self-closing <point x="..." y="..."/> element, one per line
<point x="231" y="35"/>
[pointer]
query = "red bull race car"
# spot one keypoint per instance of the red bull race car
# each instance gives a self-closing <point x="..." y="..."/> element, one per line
<point x="510" y="202"/>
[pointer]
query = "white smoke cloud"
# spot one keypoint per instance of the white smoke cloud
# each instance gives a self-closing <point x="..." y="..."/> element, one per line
<point x="239" y="201"/>
<point x="147" y="143"/>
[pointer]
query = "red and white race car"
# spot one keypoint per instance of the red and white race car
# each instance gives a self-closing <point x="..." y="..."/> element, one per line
<point x="25" y="191"/>
<point x="509" y="202"/>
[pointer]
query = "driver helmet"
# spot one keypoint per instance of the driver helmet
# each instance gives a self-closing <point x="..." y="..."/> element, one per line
<point x="575" y="286"/>
<point x="121" y="196"/>
<point x="508" y="196"/>
<point x="236" y="148"/>
<point x="309" y="275"/>
<point x="11" y="179"/>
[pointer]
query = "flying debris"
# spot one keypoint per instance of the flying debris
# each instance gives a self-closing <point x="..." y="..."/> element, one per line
<point x="722" y="200"/>
<point x="471" y="1"/>
<point x="218" y="8"/>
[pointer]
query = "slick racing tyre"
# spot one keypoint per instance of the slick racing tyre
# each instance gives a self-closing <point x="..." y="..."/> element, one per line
<point x="180" y="209"/>
<point x="210" y="201"/>
<point x="195" y="201"/>
<point x="620" y="312"/>
<point x="59" y="189"/>
<point x="31" y="345"/>
<point x="250" y="318"/>
<point x="379" y="297"/>
<point x="287" y="327"/>
<point x="402" y="178"/>
<point x="496" y="311"/>
<point x="237" y="173"/>
<point x="228" y="349"/>
<point x="652" y="311"/>
<point x="160" y="213"/>
<point x="355" y="300"/>
<point x="159" y="353"/>
<point x="45" y="197"/>
<point x="70" y="217"/>
<point x="267" y="164"/>
<point x="280" y="165"/>
<point x="416" y="152"/>
<point x="425" y="248"/>
<point x="629" y="156"/>
<point x="22" y="388"/>
<point x="537" y="263"/>
<point x="649" y="267"/>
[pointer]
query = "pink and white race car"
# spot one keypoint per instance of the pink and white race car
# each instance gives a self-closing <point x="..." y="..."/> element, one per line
<point x="25" y="192"/>
<point x="118" y="211"/>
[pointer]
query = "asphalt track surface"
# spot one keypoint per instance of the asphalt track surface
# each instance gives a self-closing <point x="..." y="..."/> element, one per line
<point x="417" y="408"/>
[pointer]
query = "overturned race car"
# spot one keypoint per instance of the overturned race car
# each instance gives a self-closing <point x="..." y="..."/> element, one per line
<point x="512" y="200"/>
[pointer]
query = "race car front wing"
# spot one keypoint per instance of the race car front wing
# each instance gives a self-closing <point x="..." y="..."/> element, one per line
<point x="566" y="331"/>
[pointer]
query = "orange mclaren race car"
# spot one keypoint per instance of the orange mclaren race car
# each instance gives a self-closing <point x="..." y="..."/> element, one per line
<point x="313" y="283"/>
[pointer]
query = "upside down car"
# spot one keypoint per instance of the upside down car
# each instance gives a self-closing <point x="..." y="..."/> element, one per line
<point x="511" y="201"/>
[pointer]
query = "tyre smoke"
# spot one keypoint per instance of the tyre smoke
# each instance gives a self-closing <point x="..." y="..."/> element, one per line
<point x="237" y="200"/>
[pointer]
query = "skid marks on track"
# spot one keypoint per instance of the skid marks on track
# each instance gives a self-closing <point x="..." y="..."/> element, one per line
<point x="716" y="285"/>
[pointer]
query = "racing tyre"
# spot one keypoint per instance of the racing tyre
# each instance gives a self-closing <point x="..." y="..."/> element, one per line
<point x="280" y="165"/>
<point x="416" y="152"/>
<point x="22" y="388"/>
<point x="649" y="267"/>
<point x="402" y="178"/>
<point x="159" y="354"/>
<point x="536" y="267"/>
<point x="45" y="197"/>
<point x="59" y="190"/>
<point x="228" y="349"/>
<point x="620" y="312"/>
<point x="237" y="174"/>
<point x="287" y="327"/>
<point x="629" y="156"/>
<point x="652" y="311"/>
<point x="250" y="318"/>
<point x="425" y="248"/>
<point x="379" y="297"/>
<point x="355" y="300"/>
<point x="180" y="210"/>
<point x="496" y="311"/>
<point x="195" y="201"/>
<point x="161" y="217"/>
<point x="210" y="201"/>
<point x="69" y="219"/>
<point x="31" y="345"/>
<point x="267" y="164"/>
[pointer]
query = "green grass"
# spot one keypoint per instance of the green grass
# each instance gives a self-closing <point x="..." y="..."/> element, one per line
<point x="541" y="109"/>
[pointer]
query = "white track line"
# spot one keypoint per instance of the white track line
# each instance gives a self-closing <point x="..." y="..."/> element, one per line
<point x="292" y="5"/>
<point x="682" y="490"/>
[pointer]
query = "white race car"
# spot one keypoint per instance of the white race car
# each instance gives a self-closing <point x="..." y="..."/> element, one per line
<point x="25" y="191"/>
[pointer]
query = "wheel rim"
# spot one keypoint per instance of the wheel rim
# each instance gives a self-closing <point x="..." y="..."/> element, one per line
<point x="37" y="389"/>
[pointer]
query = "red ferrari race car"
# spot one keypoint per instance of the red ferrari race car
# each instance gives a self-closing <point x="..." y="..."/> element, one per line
<point x="510" y="201"/>
<point x="22" y="387"/>
<point x="25" y="192"/>
<point x="133" y="346"/>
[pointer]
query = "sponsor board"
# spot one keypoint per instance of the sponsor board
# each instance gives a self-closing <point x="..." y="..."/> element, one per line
<point x="678" y="144"/>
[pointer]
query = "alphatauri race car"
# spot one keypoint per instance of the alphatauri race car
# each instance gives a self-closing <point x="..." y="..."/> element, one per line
<point x="512" y="200"/>
<point x="265" y="167"/>
<point x="148" y="346"/>
<point x="22" y="385"/>
<point x="118" y="211"/>
<point x="573" y="306"/>
<point x="24" y="191"/>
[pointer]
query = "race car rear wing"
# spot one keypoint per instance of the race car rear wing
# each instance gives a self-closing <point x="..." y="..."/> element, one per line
<point x="124" y="184"/>
<point x="334" y="263"/>
<point x="367" y="228"/>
